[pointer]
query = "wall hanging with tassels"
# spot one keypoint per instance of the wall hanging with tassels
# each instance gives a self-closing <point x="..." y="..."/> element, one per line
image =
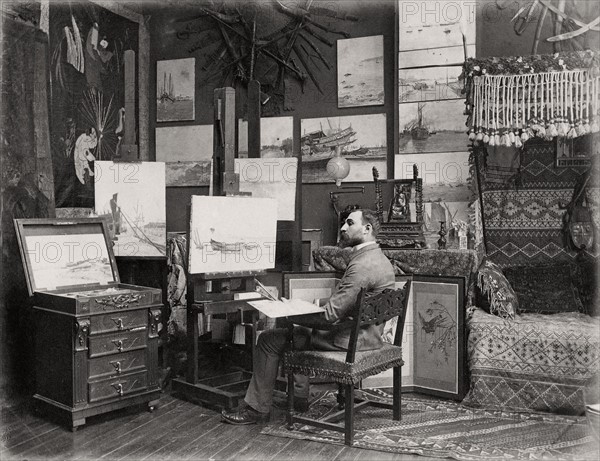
<point x="509" y="108"/>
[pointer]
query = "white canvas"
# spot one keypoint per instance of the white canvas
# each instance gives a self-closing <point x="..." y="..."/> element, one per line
<point x="276" y="137"/>
<point x="184" y="143"/>
<point x="271" y="178"/>
<point x="232" y="234"/>
<point x="132" y="197"/>
<point x="360" y="71"/>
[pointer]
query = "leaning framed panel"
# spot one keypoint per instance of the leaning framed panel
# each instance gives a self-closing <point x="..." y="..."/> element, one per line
<point x="438" y="354"/>
<point x="309" y="286"/>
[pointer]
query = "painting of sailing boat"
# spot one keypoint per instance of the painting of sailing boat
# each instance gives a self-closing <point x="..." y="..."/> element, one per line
<point x="232" y="234"/>
<point x="187" y="152"/>
<point x="131" y="196"/>
<point x="432" y="126"/>
<point x="360" y="71"/>
<point x="175" y="90"/>
<point x="361" y="139"/>
<point x="429" y="84"/>
<point x="276" y="137"/>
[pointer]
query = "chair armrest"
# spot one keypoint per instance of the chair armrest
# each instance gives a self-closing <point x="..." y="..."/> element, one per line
<point x="318" y="322"/>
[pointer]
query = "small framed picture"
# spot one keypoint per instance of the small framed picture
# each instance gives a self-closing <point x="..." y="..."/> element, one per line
<point x="309" y="286"/>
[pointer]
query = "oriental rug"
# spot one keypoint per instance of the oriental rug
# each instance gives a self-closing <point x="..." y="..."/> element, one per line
<point x="445" y="429"/>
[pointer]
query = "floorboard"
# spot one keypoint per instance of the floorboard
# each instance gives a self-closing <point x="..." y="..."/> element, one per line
<point x="177" y="430"/>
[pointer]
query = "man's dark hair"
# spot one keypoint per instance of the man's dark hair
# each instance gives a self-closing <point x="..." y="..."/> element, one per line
<point x="370" y="217"/>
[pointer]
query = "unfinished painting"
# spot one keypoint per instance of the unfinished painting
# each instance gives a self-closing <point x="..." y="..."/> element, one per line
<point x="446" y="191"/>
<point x="360" y="71"/>
<point x="276" y="137"/>
<point x="132" y="198"/>
<point x="428" y="84"/>
<point x="443" y="23"/>
<point x="175" y="84"/>
<point x="73" y="259"/>
<point x="361" y="139"/>
<point x="271" y="178"/>
<point x="432" y="126"/>
<point x="187" y="152"/>
<point x="232" y="234"/>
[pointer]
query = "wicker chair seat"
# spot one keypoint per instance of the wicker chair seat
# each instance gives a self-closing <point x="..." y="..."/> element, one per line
<point x="333" y="365"/>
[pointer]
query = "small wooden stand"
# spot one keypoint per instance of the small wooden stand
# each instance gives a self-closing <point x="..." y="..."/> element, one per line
<point x="224" y="390"/>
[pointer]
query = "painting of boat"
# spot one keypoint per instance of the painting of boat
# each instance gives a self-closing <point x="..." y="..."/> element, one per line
<point x="417" y="128"/>
<point x="321" y="144"/>
<point x="175" y="89"/>
<point x="230" y="247"/>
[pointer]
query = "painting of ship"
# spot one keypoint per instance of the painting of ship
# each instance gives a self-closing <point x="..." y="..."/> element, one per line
<point x="417" y="128"/>
<point x="166" y="90"/>
<point x="229" y="247"/>
<point x="321" y="144"/>
<point x="175" y="89"/>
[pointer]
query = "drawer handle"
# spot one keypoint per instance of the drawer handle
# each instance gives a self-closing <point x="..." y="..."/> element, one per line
<point x="119" y="323"/>
<point x="117" y="366"/>
<point x="119" y="388"/>
<point x="119" y="345"/>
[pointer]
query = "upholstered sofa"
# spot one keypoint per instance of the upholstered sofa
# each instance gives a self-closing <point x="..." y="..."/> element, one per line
<point x="525" y="361"/>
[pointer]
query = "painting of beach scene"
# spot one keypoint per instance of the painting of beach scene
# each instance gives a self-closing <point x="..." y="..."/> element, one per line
<point x="361" y="139"/>
<point x="187" y="152"/>
<point x="451" y="56"/>
<point x="132" y="198"/>
<point x="276" y="137"/>
<point x="442" y="23"/>
<point x="64" y="260"/>
<point x="432" y="126"/>
<point x="175" y="84"/>
<point x="271" y="178"/>
<point x="360" y="71"/>
<point x="446" y="190"/>
<point x="232" y="234"/>
<point x="429" y="84"/>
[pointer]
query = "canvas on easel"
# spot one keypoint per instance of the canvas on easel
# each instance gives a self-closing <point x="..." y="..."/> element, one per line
<point x="232" y="234"/>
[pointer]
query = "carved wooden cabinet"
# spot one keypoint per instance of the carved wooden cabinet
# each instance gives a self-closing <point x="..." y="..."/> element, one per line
<point x="96" y="339"/>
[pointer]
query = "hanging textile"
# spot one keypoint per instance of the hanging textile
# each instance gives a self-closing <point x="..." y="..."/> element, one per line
<point x="512" y="101"/>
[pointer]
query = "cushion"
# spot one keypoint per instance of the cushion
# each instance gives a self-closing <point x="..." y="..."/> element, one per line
<point x="496" y="288"/>
<point x="333" y="365"/>
<point x="534" y="362"/>
<point x="544" y="289"/>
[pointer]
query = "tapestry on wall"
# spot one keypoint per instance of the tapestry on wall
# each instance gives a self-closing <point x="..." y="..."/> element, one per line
<point x="524" y="225"/>
<point x="87" y="94"/>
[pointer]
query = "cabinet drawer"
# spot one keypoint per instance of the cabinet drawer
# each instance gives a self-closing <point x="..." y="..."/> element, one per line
<point x="118" y="386"/>
<point x="114" y="343"/>
<point x="118" y="321"/>
<point x="117" y="364"/>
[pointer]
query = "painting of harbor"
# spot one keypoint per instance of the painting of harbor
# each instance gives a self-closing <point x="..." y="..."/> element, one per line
<point x="361" y="139"/>
<point x="132" y="198"/>
<point x="187" y="152"/>
<point x="64" y="260"/>
<point x="175" y="83"/>
<point x="429" y="84"/>
<point x="232" y="234"/>
<point x="432" y="126"/>
<point x="360" y="71"/>
<point x="276" y="137"/>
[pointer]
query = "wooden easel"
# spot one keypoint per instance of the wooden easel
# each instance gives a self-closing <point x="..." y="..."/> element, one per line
<point x="205" y="292"/>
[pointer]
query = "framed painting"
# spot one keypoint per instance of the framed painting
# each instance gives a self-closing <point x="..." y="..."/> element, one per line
<point x="429" y="84"/>
<point x="360" y="139"/>
<point x="360" y="71"/>
<point x="309" y="286"/>
<point x="232" y="234"/>
<point x="187" y="152"/>
<point x="175" y="85"/>
<point x="131" y="196"/>
<point x="276" y="137"/>
<point x="438" y="347"/>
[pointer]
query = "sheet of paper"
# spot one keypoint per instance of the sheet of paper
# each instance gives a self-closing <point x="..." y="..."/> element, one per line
<point x="285" y="308"/>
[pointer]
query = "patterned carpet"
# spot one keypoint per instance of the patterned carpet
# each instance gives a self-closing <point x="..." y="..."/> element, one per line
<point x="444" y="429"/>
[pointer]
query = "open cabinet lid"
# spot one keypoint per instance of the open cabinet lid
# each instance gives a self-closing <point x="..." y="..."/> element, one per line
<point x="60" y="253"/>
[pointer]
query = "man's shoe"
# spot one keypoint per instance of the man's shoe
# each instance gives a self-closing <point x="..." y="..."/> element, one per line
<point x="244" y="416"/>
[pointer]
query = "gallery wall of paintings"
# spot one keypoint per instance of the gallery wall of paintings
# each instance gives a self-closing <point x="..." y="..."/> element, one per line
<point x="434" y="39"/>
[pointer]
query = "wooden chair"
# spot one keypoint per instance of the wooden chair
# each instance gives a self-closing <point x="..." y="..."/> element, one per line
<point x="349" y="368"/>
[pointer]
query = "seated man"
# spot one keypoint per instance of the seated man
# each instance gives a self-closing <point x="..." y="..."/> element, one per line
<point x="368" y="268"/>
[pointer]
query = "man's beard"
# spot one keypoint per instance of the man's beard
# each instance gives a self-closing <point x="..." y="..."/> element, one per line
<point x="346" y="241"/>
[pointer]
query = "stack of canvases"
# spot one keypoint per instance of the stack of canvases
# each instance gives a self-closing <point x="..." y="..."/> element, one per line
<point x="537" y="347"/>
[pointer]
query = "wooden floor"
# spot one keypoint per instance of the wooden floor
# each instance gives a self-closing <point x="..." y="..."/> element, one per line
<point x="176" y="430"/>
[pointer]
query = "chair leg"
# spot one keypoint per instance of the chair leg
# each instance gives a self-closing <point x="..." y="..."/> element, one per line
<point x="349" y="414"/>
<point x="340" y="397"/>
<point x="397" y="393"/>
<point x="290" y="399"/>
